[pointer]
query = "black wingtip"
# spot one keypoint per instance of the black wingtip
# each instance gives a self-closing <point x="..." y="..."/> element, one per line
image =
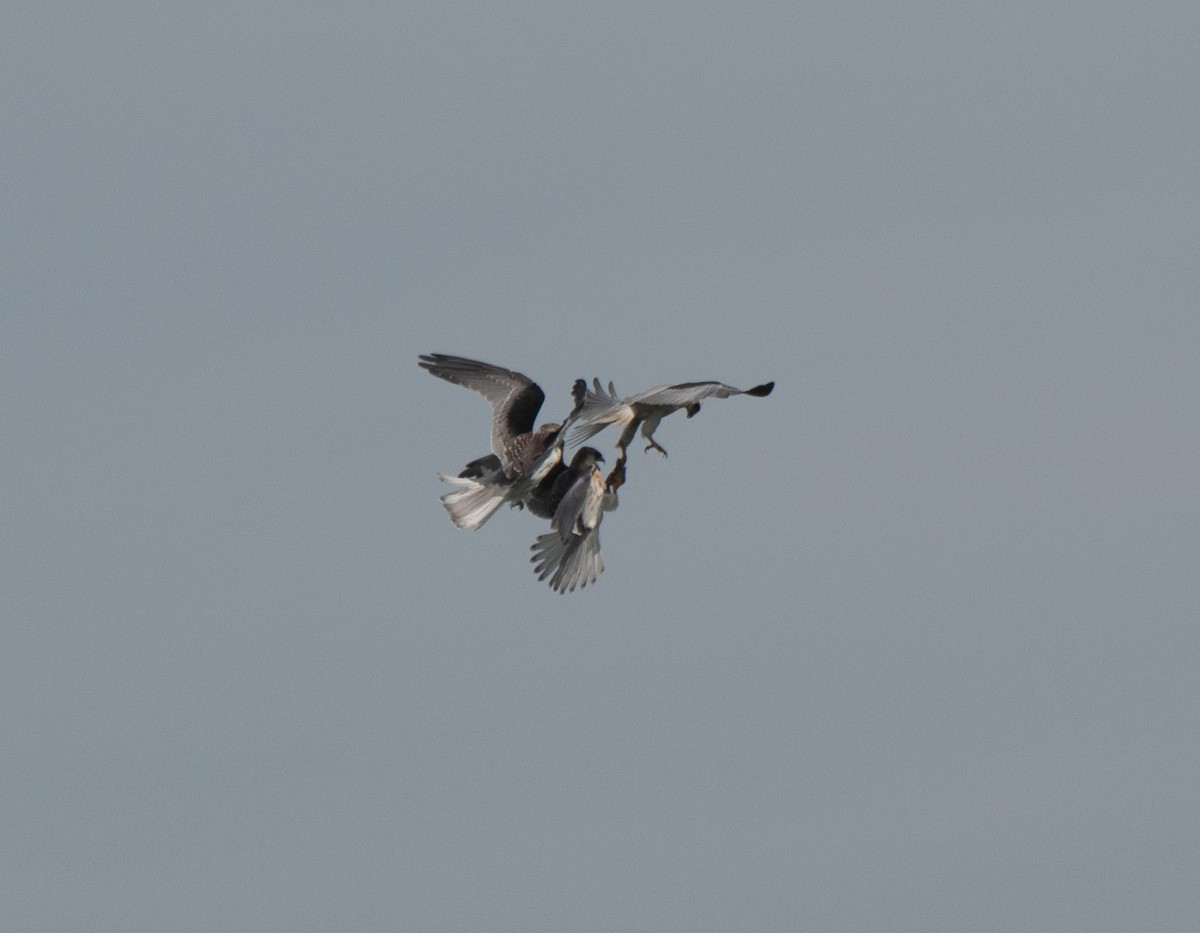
<point x="431" y="361"/>
<point x="761" y="391"/>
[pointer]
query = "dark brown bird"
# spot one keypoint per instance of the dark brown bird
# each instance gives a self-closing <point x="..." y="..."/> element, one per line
<point x="521" y="457"/>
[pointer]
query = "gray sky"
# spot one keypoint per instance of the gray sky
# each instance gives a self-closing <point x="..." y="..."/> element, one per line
<point x="910" y="645"/>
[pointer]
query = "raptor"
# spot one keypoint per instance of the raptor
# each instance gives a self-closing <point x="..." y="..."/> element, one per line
<point x="522" y="457"/>
<point x="598" y="408"/>
<point x="569" y="553"/>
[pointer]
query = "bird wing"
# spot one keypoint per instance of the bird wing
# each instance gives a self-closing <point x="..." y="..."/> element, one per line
<point x="683" y="394"/>
<point x="515" y="398"/>
<point x="595" y="409"/>
<point x="486" y="468"/>
<point x="569" y="517"/>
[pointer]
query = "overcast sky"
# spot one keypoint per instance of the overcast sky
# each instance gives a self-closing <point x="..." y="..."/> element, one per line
<point x="910" y="645"/>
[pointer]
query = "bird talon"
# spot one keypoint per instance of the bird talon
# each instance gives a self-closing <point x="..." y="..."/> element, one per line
<point x="616" y="479"/>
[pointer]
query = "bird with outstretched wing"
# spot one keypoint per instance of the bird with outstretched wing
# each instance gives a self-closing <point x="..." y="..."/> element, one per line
<point x="597" y="408"/>
<point x="521" y="459"/>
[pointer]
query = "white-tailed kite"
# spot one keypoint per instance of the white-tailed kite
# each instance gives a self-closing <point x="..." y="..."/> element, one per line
<point x="597" y="408"/>
<point x="521" y="457"/>
<point x="544" y="499"/>
<point x="569" y="554"/>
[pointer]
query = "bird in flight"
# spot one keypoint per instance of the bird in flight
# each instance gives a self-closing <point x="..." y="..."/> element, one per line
<point x="598" y="408"/>
<point x="569" y="553"/>
<point x="522" y="457"/>
<point x="544" y="499"/>
<point x="526" y="466"/>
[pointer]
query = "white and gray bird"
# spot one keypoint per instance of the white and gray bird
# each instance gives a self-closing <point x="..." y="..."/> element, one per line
<point x="544" y="499"/>
<point x="569" y="554"/>
<point x="597" y="408"/>
<point x="521" y="457"/>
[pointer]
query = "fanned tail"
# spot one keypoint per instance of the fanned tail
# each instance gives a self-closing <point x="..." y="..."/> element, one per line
<point x="568" y="560"/>
<point x="472" y="503"/>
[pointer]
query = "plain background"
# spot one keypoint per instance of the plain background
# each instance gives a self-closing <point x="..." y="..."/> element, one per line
<point x="910" y="645"/>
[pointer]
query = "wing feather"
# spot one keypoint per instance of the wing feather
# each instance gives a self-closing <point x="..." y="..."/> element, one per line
<point x="684" y="394"/>
<point x="515" y="398"/>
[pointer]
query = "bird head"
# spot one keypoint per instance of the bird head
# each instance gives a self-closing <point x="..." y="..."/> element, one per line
<point x="586" y="456"/>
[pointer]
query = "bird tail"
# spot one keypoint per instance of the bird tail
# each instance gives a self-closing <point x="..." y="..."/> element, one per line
<point x="569" y="560"/>
<point x="471" y="503"/>
<point x="595" y="409"/>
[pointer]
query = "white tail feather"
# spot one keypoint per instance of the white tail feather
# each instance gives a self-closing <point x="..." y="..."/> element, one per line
<point x="570" y="562"/>
<point x="472" y="503"/>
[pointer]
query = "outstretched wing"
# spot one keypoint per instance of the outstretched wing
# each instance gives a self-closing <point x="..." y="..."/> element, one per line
<point x="515" y="398"/>
<point x="685" y="394"/>
<point x="598" y="407"/>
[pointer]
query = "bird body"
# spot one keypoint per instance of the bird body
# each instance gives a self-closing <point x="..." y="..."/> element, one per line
<point x="544" y="499"/>
<point x="569" y="554"/>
